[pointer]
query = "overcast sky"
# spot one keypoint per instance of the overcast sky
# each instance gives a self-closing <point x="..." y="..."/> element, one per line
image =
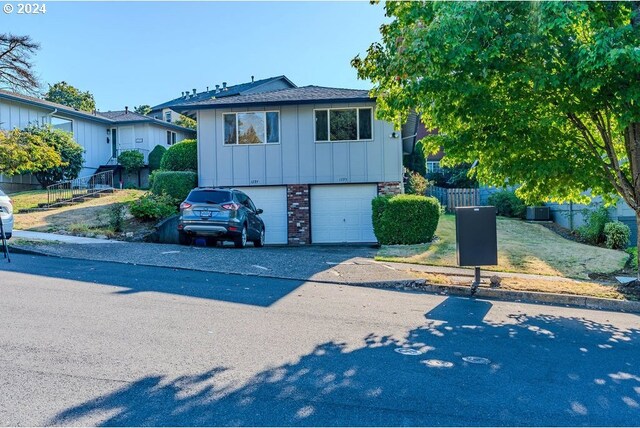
<point x="149" y="52"/>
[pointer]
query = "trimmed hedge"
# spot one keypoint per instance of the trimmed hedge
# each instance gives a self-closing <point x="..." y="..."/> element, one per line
<point x="152" y="207"/>
<point x="405" y="219"/>
<point x="181" y="157"/>
<point x="155" y="157"/>
<point x="616" y="235"/>
<point x="174" y="184"/>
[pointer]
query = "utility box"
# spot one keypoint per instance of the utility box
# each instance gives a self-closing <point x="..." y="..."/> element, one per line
<point x="476" y="238"/>
<point x="538" y="214"/>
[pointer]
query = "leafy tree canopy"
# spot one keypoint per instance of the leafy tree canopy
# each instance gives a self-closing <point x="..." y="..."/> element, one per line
<point x="186" y="122"/>
<point x="70" y="153"/>
<point x="543" y="94"/>
<point x="64" y="93"/>
<point x="142" y="109"/>
<point x="24" y="152"/>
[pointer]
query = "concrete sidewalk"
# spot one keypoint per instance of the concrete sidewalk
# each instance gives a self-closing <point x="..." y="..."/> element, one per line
<point x="54" y="237"/>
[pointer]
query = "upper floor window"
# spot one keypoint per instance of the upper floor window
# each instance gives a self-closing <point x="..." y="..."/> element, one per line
<point x="258" y="127"/>
<point x="167" y="117"/>
<point x="171" y="138"/>
<point x="344" y="124"/>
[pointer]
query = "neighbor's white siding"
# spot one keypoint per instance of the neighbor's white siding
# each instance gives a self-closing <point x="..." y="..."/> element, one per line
<point x="16" y="115"/>
<point x="298" y="158"/>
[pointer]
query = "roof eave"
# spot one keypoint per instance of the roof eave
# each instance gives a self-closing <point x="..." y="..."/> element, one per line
<point x="187" y="107"/>
<point x="66" y="110"/>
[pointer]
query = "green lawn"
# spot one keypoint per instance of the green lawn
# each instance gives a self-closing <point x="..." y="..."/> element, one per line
<point x="522" y="247"/>
<point x="28" y="200"/>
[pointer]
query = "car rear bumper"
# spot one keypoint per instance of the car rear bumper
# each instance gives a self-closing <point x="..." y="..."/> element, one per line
<point x="205" y="230"/>
<point x="7" y="224"/>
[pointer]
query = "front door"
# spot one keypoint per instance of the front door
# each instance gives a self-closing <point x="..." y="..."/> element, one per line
<point x="114" y="143"/>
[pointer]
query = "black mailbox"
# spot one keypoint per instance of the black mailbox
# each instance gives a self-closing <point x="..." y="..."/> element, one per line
<point x="476" y="240"/>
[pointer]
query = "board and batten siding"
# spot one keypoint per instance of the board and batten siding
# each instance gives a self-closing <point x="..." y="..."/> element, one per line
<point x="297" y="159"/>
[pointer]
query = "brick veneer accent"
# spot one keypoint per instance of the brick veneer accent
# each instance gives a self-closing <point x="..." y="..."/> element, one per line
<point x="298" y="215"/>
<point x="390" y="188"/>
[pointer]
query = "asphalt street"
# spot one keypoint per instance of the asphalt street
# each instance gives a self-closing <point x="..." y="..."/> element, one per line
<point x="100" y="343"/>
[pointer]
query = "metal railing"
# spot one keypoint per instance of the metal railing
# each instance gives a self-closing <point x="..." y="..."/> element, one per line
<point x="72" y="190"/>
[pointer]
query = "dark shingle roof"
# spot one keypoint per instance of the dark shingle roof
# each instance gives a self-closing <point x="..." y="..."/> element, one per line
<point x="229" y="92"/>
<point x="303" y="95"/>
<point x="122" y="116"/>
<point x="38" y="102"/>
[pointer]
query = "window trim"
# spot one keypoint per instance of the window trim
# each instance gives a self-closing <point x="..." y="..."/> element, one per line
<point x="265" y="143"/>
<point x="172" y="138"/>
<point x="329" y="140"/>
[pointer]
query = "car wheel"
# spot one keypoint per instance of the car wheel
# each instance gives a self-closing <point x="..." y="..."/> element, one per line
<point x="184" y="239"/>
<point x="260" y="242"/>
<point x="241" y="241"/>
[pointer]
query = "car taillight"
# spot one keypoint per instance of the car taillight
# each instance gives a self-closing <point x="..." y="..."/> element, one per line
<point x="185" y="205"/>
<point x="231" y="206"/>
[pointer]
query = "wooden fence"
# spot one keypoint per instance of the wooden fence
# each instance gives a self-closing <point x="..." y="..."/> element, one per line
<point x="453" y="198"/>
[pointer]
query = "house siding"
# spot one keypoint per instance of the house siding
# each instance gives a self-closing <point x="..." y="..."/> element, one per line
<point x="298" y="159"/>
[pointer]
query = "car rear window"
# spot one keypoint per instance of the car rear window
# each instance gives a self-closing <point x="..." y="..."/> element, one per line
<point x="209" y="196"/>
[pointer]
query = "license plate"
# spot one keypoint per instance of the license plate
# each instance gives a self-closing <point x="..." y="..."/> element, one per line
<point x="205" y="213"/>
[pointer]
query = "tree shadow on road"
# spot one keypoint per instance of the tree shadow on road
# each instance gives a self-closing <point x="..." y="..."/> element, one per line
<point x="539" y="370"/>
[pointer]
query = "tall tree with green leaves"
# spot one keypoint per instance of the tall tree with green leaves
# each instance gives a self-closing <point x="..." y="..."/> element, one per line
<point x="68" y="95"/>
<point x="71" y="155"/>
<point x="544" y="94"/>
<point x="142" y="109"/>
<point x="16" y="66"/>
<point x="186" y="122"/>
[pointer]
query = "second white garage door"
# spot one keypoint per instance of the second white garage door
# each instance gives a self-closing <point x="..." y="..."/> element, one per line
<point x="273" y="200"/>
<point x="342" y="213"/>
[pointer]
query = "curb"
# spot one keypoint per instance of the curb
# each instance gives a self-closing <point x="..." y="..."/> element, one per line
<point x="421" y="285"/>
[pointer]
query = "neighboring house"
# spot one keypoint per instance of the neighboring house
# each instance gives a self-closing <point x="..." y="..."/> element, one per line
<point x="312" y="158"/>
<point x="133" y="131"/>
<point x="164" y="112"/>
<point x="102" y="135"/>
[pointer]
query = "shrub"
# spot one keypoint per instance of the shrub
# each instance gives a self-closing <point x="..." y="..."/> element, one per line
<point x="593" y="231"/>
<point x="116" y="216"/>
<point x="181" y="157"/>
<point x="175" y="184"/>
<point x="416" y="184"/>
<point x="616" y="235"/>
<point x="405" y="219"/>
<point x="152" y="207"/>
<point x="155" y="157"/>
<point x="130" y="185"/>
<point x="131" y="160"/>
<point x="508" y="204"/>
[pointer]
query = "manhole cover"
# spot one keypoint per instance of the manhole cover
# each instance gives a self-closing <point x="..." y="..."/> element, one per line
<point x="476" y="360"/>
<point x="408" y="351"/>
<point x="438" y="364"/>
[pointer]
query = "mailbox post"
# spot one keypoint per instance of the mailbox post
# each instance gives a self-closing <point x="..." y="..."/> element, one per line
<point x="476" y="239"/>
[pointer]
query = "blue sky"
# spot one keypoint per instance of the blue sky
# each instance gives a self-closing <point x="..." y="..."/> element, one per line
<point x="131" y="53"/>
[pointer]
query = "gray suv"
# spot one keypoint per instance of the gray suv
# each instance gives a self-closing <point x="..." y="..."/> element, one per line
<point x="220" y="215"/>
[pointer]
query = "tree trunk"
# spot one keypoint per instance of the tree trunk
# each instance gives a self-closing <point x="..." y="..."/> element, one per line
<point x="638" y="246"/>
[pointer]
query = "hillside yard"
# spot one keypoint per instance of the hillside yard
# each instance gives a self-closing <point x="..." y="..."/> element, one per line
<point x="522" y="247"/>
<point x="89" y="218"/>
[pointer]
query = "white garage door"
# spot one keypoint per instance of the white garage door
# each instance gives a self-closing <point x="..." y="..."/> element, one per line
<point x="342" y="213"/>
<point x="273" y="200"/>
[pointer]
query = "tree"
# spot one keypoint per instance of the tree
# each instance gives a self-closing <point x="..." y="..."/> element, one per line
<point x="70" y="153"/>
<point x="65" y="94"/>
<point x="143" y="109"/>
<point x="544" y="94"/>
<point x="23" y="152"/>
<point x="186" y="122"/>
<point x="16" y="68"/>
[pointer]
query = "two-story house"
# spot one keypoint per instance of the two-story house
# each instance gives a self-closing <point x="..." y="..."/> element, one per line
<point x="311" y="157"/>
